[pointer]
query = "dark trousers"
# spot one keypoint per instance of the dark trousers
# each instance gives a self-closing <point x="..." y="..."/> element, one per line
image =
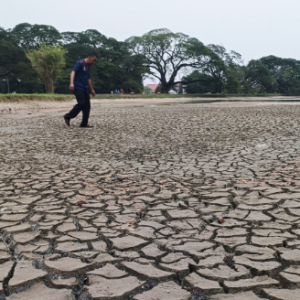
<point x="83" y="105"/>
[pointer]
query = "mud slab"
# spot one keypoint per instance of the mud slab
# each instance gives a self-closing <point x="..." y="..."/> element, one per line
<point x="186" y="201"/>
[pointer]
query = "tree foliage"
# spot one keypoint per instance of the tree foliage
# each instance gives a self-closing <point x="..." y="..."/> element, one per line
<point x="8" y="54"/>
<point x="174" y="59"/>
<point x="285" y="71"/>
<point x="48" y="62"/>
<point x="166" y="53"/>
<point x="30" y="36"/>
<point x="116" y="67"/>
<point x="272" y="74"/>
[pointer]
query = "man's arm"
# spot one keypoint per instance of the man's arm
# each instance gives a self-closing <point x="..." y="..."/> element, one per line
<point x="72" y="80"/>
<point x="91" y="88"/>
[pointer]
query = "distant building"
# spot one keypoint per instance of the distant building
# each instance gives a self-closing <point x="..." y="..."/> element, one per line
<point x="153" y="87"/>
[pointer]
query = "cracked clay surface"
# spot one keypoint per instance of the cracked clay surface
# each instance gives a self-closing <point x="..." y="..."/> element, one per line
<point x="132" y="209"/>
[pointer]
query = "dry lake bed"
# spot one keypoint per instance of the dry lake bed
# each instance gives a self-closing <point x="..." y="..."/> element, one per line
<point x="167" y="200"/>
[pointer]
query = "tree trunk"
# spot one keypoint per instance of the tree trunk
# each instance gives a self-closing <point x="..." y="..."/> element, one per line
<point x="164" y="84"/>
<point x="165" y="90"/>
<point x="49" y="86"/>
<point x="167" y="85"/>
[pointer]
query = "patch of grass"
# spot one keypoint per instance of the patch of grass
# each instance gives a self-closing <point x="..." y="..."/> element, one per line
<point x="164" y="96"/>
<point x="34" y="97"/>
<point x="62" y="97"/>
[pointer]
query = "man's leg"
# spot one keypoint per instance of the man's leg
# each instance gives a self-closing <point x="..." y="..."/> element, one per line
<point x="86" y="110"/>
<point x="80" y="97"/>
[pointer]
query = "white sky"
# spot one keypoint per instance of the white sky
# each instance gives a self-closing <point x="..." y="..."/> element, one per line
<point x="254" y="28"/>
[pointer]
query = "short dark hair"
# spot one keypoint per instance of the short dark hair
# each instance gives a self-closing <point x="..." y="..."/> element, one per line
<point x="93" y="54"/>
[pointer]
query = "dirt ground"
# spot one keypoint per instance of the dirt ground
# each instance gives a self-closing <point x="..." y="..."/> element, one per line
<point x="162" y="199"/>
<point x="35" y="106"/>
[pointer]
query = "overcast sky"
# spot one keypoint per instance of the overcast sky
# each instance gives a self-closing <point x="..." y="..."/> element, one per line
<point x="254" y="28"/>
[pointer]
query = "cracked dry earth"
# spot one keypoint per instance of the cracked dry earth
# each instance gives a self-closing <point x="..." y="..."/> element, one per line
<point x="152" y="182"/>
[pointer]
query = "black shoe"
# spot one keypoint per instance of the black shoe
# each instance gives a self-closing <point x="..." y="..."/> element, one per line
<point x="87" y="126"/>
<point x="67" y="121"/>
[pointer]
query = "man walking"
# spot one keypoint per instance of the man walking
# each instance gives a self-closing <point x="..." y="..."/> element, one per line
<point x="80" y="83"/>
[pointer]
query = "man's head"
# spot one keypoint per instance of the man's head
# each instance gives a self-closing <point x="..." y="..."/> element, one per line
<point x="92" y="58"/>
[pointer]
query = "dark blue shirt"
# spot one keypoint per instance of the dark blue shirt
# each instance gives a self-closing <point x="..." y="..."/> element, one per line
<point x="82" y="76"/>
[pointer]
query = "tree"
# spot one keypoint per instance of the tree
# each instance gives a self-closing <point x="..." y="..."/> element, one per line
<point x="116" y="67"/>
<point x="232" y="83"/>
<point x="90" y="38"/>
<point x="30" y="36"/>
<point x="160" y="53"/>
<point x="48" y="62"/>
<point x="9" y="54"/>
<point x="199" y="83"/>
<point x="16" y="67"/>
<point x="4" y="35"/>
<point x="147" y="91"/>
<point x="285" y="71"/>
<point x="224" y="69"/>
<point x="273" y="74"/>
<point x="259" y="77"/>
<point x="219" y="75"/>
<point x="165" y="53"/>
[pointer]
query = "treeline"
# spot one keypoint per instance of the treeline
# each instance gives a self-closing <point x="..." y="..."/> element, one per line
<point x="269" y="75"/>
<point x="116" y="66"/>
<point x="176" y="60"/>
